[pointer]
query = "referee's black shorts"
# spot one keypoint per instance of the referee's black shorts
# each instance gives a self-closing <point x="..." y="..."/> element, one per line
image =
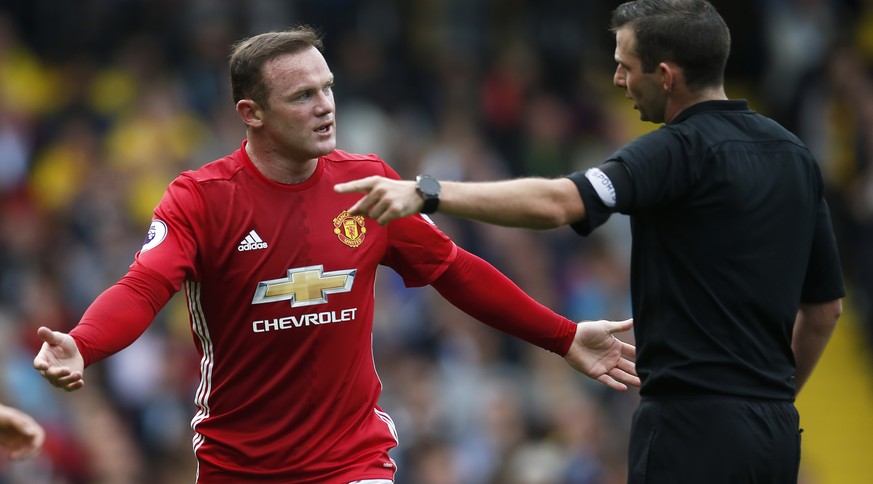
<point x="712" y="440"/>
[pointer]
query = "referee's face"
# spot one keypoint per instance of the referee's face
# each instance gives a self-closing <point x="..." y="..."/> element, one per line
<point x="644" y="89"/>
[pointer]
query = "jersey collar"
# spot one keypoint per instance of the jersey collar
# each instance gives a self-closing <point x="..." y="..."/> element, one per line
<point x="709" y="106"/>
<point x="251" y="168"/>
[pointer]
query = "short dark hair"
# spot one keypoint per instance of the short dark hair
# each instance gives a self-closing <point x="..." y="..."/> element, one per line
<point x="249" y="56"/>
<point x="690" y="33"/>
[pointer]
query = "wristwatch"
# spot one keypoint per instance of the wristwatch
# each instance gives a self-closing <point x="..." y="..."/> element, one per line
<point x="429" y="189"/>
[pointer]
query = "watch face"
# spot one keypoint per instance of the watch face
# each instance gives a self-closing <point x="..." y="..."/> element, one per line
<point x="429" y="186"/>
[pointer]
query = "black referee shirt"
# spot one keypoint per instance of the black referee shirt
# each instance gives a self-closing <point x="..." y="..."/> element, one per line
<point x="730" y="234"/>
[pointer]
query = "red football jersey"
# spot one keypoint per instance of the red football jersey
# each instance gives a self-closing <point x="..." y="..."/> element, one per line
<point x="279" y="281"/>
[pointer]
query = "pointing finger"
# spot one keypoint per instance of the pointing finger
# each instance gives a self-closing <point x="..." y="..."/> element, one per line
<point x="355" y="186"/>
<point x="348" y="187"/>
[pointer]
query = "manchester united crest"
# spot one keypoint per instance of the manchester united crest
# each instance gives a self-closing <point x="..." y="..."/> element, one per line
<point x="350" y="230"/>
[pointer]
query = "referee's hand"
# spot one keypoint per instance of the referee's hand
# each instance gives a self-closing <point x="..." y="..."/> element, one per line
<point x="385" y="199"/>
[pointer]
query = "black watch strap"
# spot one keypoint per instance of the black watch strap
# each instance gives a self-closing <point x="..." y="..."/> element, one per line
<point x="429" y="189"/>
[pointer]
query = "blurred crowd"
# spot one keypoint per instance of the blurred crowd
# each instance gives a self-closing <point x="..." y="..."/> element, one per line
<point x="104" y="102"/>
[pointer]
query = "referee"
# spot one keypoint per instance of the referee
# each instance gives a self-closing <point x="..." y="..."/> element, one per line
<point x="735" y="277"/>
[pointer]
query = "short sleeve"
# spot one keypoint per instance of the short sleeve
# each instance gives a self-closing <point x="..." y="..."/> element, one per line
<point x="170" y="246"/>
<point x="604" y="190"/>
<point x="824" y="274"/>
<point x="417" y="249"/>
<point x="651" y="171"/>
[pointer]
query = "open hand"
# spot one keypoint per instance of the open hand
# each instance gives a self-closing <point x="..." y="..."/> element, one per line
<point x="597" y="353"/>
<point x="59" y="360"/>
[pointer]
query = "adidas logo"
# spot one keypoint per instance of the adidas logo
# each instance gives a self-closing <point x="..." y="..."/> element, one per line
<point x="252" y="242"/>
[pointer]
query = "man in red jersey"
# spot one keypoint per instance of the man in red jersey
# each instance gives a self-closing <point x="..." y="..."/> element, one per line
<point x="279" y="280"/>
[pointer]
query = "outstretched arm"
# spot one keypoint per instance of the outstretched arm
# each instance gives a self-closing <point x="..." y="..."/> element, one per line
<point x="812" y="330"/>
<point x="535" y="203"/>
<point x="59" y="360"/>
<point x="113" y="321"/>
<point x="483" y="292"/>
<point x="19" y="433"/>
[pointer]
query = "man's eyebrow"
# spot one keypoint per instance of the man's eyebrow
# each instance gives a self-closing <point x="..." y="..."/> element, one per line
<point x="312" y="87"/>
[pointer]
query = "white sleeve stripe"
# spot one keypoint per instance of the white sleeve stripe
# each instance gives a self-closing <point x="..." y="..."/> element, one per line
<point x="602" y="185"/>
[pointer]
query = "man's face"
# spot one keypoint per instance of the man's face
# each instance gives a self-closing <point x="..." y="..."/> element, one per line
<point x="299" y="120"/>
<point x="645" y="89"/>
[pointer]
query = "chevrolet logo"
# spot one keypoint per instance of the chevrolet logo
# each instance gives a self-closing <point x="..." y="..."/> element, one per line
<point x="304" y="286"/>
